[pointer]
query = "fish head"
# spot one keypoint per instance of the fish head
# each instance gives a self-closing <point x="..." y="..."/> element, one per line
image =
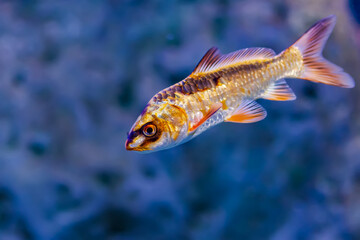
<point x="160" y="126"/>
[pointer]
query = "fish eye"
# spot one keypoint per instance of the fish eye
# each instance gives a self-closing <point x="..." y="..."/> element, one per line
<point x="149" y="130"/>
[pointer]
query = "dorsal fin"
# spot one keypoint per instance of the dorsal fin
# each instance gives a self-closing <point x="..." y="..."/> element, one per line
<point x="214" y="60"/>
<point x="212" y="55"/>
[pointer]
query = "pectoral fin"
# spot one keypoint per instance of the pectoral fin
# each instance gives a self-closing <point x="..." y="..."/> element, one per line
<point x="214" y="108"/>
<point x="248" y="112"/>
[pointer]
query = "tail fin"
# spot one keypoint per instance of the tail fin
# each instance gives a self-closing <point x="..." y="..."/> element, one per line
<point x="317" y="68"/>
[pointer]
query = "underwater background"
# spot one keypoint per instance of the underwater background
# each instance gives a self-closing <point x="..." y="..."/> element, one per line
<point x="74" y="76"/>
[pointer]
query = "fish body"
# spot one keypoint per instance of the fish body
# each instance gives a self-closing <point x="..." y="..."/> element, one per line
<point x="230" y="85"/>
<point x="225" y="87"/>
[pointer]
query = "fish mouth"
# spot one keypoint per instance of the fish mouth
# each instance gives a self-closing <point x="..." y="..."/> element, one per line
<point x="127" y="145"/>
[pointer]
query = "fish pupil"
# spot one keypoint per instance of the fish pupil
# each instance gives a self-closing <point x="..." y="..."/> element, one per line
<point x="149" y="130"/>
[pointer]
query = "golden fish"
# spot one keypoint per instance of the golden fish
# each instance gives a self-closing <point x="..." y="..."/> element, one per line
<point x="224" y="87"/>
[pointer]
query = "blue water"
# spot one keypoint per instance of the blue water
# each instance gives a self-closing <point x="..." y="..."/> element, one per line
<point x="74" y="76"/>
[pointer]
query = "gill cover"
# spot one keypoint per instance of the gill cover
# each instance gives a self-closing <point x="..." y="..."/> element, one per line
<point x="169" y="127"/>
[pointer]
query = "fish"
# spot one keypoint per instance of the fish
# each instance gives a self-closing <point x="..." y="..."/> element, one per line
<point x="224" y="87"/>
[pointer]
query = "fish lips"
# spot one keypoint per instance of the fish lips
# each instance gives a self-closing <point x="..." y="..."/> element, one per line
<point x="127" y="145"/>
<point x="134" y="141"/>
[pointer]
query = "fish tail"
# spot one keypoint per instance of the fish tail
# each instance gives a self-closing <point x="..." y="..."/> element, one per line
<point x="316" y="67"/>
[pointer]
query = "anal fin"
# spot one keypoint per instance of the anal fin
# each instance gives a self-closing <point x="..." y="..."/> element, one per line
<point x="248" y="112"/>
<point x="279" y="91"/>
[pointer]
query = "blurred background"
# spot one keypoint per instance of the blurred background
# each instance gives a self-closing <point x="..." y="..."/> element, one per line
<point x="74" y="76"/>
